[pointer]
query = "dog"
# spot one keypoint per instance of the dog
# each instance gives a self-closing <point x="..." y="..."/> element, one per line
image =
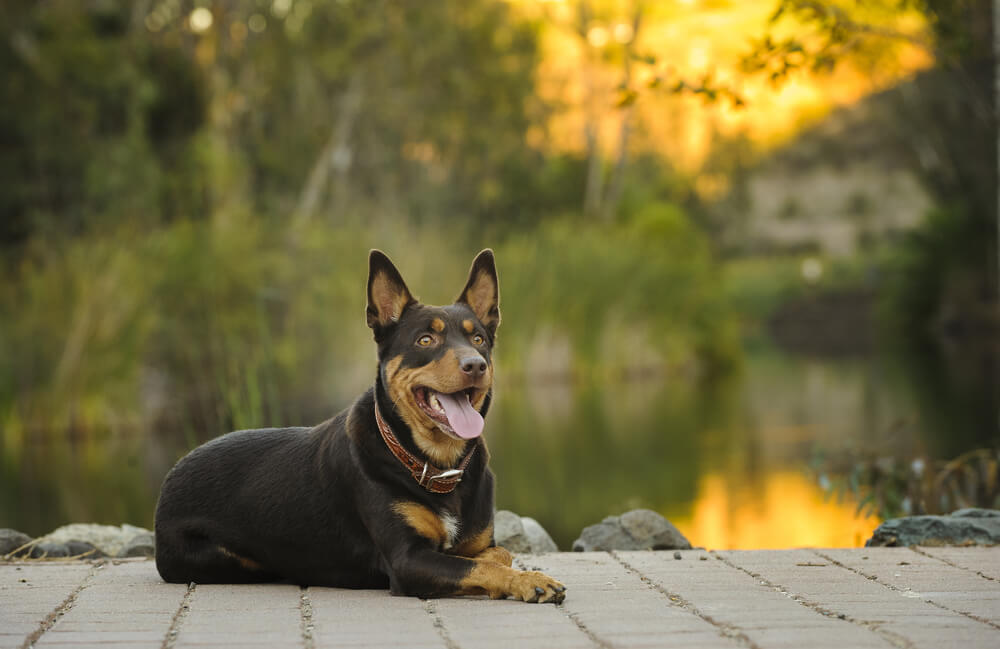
<point x="393" y="492"/>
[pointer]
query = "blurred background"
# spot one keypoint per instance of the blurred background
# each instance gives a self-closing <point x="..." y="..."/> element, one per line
<point x="747" y="248"/>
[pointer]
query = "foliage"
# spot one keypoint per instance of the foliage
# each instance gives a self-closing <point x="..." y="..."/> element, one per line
<point x="647" y="285"/>
<point x="94" y="122"/>
<point x="189" y="189"/>
<point x="234" y="322"/>
<point x="888" y="487"/>
<point x="934" y="277"/>
<point x="835" y="32"/>
<point x="119" y="113"/>
<point x="941" y="291"/>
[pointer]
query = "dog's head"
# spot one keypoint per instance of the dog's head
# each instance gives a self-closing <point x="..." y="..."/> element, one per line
<point x="436" y="362"/>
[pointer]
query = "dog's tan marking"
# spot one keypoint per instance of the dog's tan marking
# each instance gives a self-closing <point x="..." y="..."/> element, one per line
<point x="388" y="298"/>
<point x="498" y="581"/>
<point x="496" y="554"/>
<point x="249" y="564"/>
<point x="422" y="520"/>
<point x="437" y="324"/>
<point x="441" y="375"/>
<point x="474" y="545"/>
<point x="468" y="326"/>
<point x="392" y="366"/>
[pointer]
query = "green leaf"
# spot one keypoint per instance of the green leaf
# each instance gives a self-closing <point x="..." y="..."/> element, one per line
<point x="626" y="98"/>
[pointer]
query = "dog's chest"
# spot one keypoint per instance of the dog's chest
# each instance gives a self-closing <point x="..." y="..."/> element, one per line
<point x="452" y="528"/>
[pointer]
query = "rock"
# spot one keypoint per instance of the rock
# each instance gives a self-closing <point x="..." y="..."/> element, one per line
<point x="639" y="529"/>
<point x="975" y="512"/>
<point x="963" y="527"/>
<point x="49" y="550"/>
<point x="141" y="545"/>
<point x="651" y="529"/>
<point x="606" y="535"/>
<point x="508" y="531"/>
<point x="11" y="540"/>
<point x="83" y="550"/>
<point x="538" y="538"/>
<point x="521" y="535"/>
<point x="111" y="540"/>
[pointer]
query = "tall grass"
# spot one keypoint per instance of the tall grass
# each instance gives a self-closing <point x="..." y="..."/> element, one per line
<point x="238" y="321"/>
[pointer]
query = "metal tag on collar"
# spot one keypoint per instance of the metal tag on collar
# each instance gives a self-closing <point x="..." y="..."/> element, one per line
<point x="450" y="473"/>
<point x="426" y="480"/>
<point x="444" y="475"/>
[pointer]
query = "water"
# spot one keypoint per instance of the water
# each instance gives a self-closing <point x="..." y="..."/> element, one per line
<point x="725" y="460"/>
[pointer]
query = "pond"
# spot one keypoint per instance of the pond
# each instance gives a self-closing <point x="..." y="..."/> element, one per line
<point x="725" y="460"/>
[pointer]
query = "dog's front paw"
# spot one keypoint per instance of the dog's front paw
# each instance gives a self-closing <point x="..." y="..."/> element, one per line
<point x="536" y="587"/>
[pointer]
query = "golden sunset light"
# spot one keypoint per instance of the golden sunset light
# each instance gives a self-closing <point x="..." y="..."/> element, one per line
<point x="780" y="510"/>
<point x="690" y="39"/>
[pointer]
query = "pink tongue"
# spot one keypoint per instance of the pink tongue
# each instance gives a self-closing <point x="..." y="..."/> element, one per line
<point x="464" y="419"/>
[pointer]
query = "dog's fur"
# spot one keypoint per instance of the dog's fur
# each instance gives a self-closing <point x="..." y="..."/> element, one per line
<point x="331" y="505"/>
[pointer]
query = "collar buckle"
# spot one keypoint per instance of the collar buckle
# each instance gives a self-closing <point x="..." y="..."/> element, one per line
<point x="425" y="480"/>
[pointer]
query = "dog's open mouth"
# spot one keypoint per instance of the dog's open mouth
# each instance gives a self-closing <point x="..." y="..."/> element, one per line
<point x="453" y="413"/>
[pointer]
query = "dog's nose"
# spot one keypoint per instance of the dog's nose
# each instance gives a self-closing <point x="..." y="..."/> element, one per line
<point x="474" y="366"/>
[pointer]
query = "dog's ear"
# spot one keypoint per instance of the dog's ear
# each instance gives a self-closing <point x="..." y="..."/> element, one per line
<point x="387" y="292"/>
<point x="482" y="291"/>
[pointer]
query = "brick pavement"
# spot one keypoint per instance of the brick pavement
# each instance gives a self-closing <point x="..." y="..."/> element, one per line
<point x="870" y="597"/>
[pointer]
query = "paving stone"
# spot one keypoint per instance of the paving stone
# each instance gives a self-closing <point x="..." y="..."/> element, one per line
<point x="975" y="559"/>
<point x="529" y="625"/>
<point x="865" y="603"/>
<point x="121" y="601"/>
<point x="615" y="605"/>
<point x="28" y="592"/>
<point x="352" y="618"/>
<point x="242" y="615"/>
<point x="737" y="601"/>
<point x="934" y="598"/>
<point x="11" y="640"/>
<point x="73" y="638"/>
<point x="917" y="576"/>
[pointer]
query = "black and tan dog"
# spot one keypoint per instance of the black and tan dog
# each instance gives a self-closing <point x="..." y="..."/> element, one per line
<point x="392" y="492"/>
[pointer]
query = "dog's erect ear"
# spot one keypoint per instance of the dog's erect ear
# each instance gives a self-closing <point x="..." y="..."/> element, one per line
<point x="482" y="291"/>
<point x="387" y="292"/>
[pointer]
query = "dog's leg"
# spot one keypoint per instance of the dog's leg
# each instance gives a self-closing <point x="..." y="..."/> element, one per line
<point x="424" y="572"/>
<point x="412" y="548"/>
<point x="183" y="556"/>
<point x="495" y="555"/>
<point x="482" y="547"/>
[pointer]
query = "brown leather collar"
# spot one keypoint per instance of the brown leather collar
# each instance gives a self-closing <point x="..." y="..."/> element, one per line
<point x="428" y="476"/>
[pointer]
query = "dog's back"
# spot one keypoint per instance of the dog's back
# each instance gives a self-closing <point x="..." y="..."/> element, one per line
<point x="253" y="505"/>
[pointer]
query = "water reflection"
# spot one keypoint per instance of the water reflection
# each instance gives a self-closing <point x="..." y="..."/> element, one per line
<point x="724" y="460"/>
<point x="781" y="509"/>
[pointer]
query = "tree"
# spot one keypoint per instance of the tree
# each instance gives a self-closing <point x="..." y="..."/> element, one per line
<point x="157" y="110"/>
<point x="98" y="122"/>
<point x="949" y="120"/>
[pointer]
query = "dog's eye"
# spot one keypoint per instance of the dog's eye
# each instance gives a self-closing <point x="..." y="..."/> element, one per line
<point x="478" y="340"/>
<point x="425" y="340"/>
